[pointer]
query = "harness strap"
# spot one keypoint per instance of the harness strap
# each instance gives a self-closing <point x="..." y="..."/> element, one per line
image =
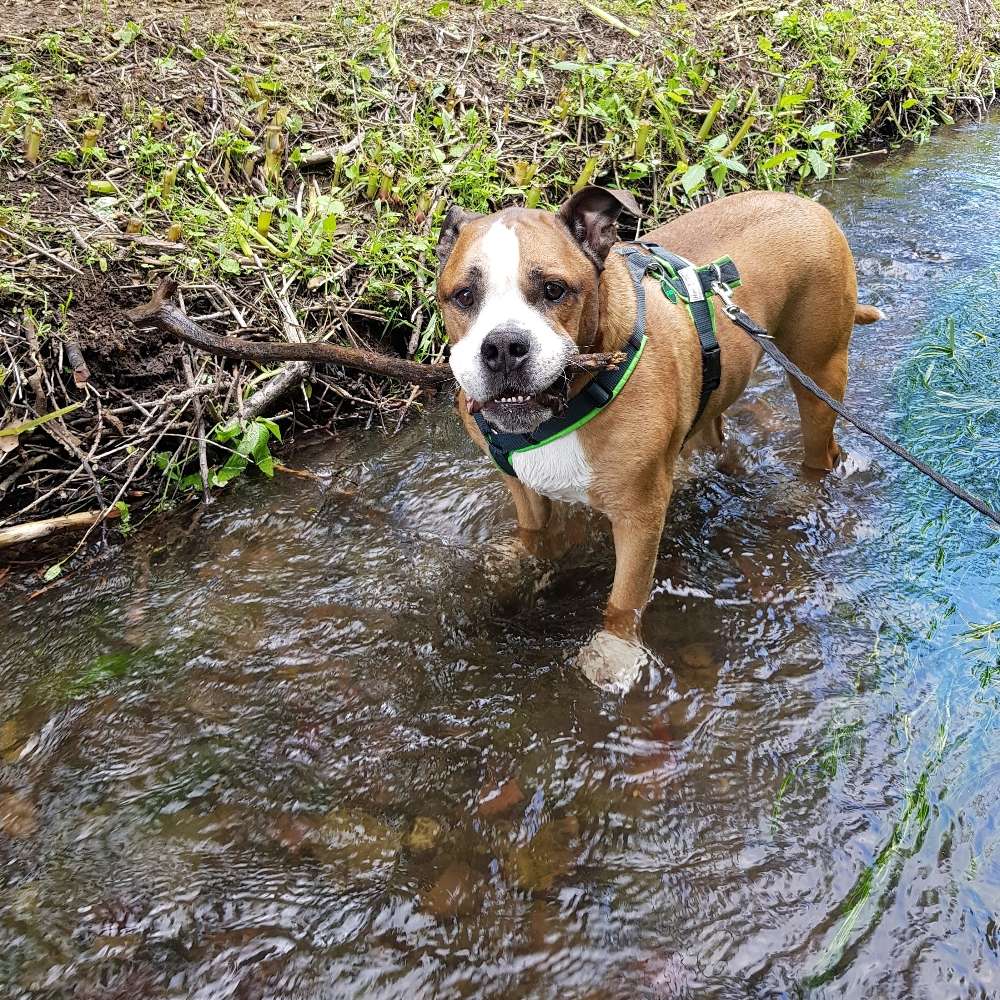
<point x="679" y="280"/>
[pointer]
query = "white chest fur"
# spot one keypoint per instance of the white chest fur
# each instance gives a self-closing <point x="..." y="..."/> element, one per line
<point x="558" y="470"/>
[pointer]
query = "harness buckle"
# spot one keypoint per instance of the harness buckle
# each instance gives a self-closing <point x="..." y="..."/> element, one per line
<point x="729" y="307"/>
<point x="600" y="396"/>
<point x="712" y="369"/>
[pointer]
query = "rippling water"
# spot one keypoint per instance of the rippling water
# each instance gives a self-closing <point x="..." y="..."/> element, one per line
<point x="295" y="749"/>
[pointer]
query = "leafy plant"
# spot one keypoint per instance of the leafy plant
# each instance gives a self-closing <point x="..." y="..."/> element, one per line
<point x="253" y="446"/>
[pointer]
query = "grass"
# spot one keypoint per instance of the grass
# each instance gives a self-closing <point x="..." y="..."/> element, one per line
<point x="870" y="892"/>
<point x="948" y="389"/>
<point x="292" y="177"/>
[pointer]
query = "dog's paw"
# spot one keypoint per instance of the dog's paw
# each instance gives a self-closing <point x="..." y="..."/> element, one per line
<point x="612" y="663"/>
<point x="513" y="575"/>
<point x="505" y="558"/>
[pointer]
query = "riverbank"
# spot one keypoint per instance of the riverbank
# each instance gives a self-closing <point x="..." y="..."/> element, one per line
<point x="289" y="167"/>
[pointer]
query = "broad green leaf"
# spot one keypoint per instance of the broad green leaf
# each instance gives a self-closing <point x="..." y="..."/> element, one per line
<point x="792" y="100"/>
<point x="819" y="166"/>
<point x="779" y="158"/>
<point x="824" y="130"/>
<point x="733" y="164"/>
<point x="693" y="178"/>
<point x="252" y="438"/>
<point x="226" y="432"/>
<point x="274" y="429"/>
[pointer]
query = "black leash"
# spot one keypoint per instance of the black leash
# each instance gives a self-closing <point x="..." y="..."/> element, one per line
<point x="766" y="342"/>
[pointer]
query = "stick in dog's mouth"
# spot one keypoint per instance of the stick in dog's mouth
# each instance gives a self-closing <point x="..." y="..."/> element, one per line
<point x="556" y="396"/>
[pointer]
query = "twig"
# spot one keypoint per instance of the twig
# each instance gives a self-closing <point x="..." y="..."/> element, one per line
<point x="321" y="157"/>
<point x="34" y="530"/>
<point x="162" y="314"/>
<point x="65" y="264"/>
<point x="610" y="18"/>
<point x="200" y="423"/>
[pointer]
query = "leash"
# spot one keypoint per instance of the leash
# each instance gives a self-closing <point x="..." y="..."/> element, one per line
<point x="766" y="342"/>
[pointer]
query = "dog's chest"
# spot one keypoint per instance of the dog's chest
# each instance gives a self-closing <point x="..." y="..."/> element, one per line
<point x="558" y="470"/>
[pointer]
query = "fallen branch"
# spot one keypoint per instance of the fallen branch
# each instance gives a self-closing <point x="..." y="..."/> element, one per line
<point x="320" y="157"/>
<point x="161" y="313"/>
<point x="34" y="530"/>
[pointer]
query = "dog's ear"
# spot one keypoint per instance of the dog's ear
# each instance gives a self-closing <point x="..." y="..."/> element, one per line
<point x="591" y="215"/>
<point x="455" y="218"/>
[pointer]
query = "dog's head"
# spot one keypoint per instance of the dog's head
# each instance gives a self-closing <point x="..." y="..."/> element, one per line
<point x="519" y="294"/>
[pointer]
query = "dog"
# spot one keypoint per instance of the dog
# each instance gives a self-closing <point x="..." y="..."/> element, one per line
<point x="523" y="291"/>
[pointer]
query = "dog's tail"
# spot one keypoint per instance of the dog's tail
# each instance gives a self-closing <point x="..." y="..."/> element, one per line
<point x="863" y="315"/>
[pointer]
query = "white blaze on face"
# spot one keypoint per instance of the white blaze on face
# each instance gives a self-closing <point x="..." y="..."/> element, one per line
<point x="498" y="255"/>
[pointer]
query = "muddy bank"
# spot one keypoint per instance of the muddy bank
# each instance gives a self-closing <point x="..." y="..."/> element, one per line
<point x="289" y="167"/>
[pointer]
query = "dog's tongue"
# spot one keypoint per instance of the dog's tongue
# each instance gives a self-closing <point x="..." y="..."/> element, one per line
<point x="472" y="405"/>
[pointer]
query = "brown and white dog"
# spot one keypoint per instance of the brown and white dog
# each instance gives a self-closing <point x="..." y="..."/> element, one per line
<point x="522" y="291"/>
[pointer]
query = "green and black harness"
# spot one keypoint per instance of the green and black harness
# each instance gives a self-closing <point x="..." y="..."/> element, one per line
<point x="681" y="281"/>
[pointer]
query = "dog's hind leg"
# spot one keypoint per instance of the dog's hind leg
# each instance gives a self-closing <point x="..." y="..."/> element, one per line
<point x="815" y="332"/>
<point x="819" y="443"/>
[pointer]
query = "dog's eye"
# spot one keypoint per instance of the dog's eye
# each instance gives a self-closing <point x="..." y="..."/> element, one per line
<point x="554" y="291"/>
<point x="464" y="298"/>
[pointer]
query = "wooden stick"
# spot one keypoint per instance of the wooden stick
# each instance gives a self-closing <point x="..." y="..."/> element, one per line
<point x="34" y="530"/>
<point x="162" y="314"/>
<point x="610" y="18"/>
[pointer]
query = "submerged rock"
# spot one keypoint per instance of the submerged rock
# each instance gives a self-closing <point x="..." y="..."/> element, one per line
<point x="424" y="835"/>
<point x="454" y="893"/>
<point x="354" y="838"/>
<point x="550" y="854"/>
<point x="495" y="800"/>
<point x="18" y="816"/>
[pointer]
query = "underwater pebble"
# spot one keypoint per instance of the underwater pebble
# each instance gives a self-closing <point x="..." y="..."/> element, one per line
<point x="424" y="835"/>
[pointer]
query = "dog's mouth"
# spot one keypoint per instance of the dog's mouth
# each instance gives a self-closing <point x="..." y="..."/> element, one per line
<point x="552" y="398"/>
<point x="515" y="411"/>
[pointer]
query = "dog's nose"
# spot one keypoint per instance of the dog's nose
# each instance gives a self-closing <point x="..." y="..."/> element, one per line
<point x="506" y="349"/>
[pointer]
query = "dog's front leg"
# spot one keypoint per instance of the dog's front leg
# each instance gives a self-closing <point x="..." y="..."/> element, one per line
<point x="614" y="657"/>
<point x="546" y="531"/>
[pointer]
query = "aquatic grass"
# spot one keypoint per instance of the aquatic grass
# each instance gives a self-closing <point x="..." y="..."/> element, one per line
<point x="838" y="743"/>
<point x="869" y="893"/>
<point x="982" y="641"/>
<point x="947" y="390"/>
